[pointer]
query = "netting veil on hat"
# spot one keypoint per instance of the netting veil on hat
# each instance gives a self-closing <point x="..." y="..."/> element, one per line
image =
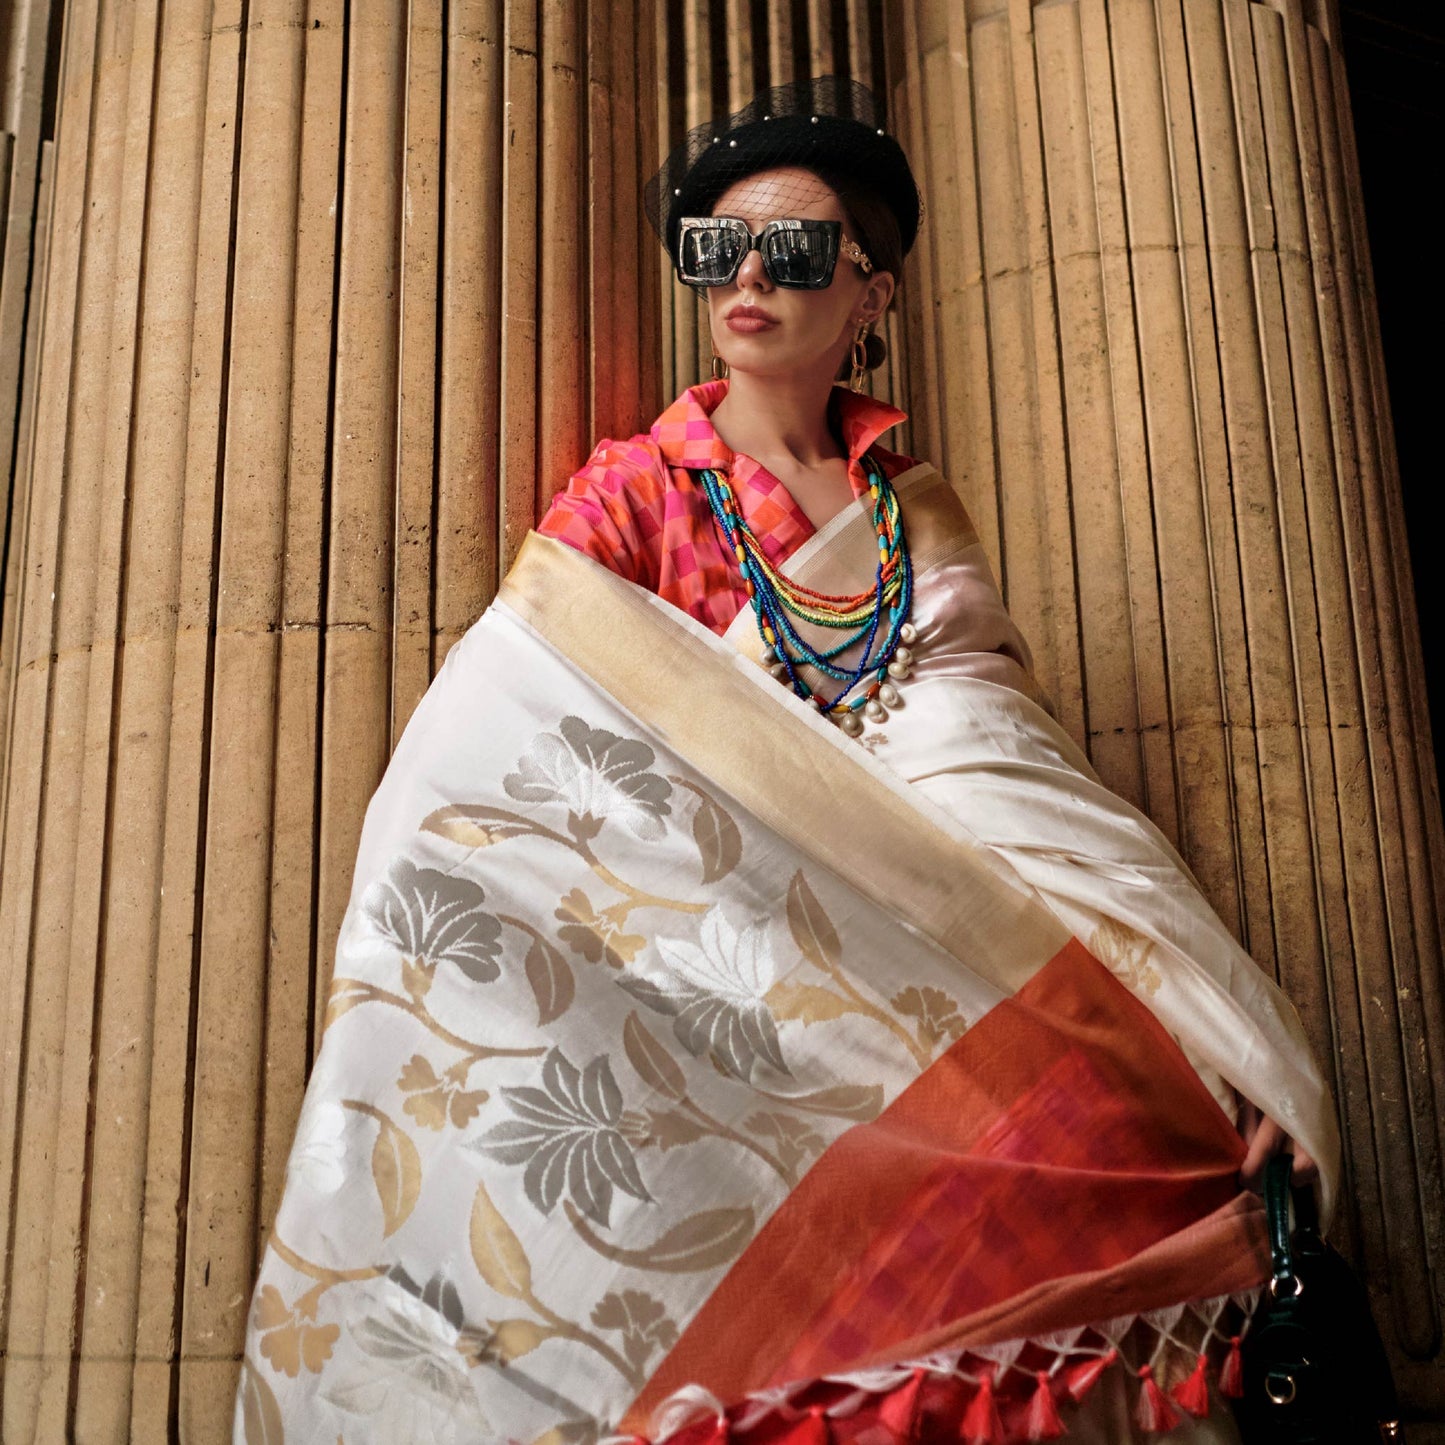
<point x="828" y="124"/>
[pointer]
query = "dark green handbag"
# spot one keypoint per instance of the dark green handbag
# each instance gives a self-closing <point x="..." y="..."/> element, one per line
<point x="1315" y="1370"/>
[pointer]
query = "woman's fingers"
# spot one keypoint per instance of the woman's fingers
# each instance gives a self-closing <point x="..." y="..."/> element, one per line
<point x="1264" y="1139"/>
<point x="1268" y="1138"/>
<point x="1305" y="1170"/>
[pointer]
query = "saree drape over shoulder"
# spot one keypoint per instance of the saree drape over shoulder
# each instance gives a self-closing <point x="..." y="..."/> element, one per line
<point x="695" y="1072"/>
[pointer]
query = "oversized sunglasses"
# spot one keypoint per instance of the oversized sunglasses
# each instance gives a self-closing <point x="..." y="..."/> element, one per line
<point x="801" y="254"/>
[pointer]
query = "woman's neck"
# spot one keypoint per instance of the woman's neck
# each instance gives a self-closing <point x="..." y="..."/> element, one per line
<point x="778" y="419"/>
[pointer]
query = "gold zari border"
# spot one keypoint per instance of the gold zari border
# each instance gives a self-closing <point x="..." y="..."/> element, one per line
<point x="798" y="774"/>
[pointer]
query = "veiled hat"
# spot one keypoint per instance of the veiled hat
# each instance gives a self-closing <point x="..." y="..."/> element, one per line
<point x="828" y="124"/>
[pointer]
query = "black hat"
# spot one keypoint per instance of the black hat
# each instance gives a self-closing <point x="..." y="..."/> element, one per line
<point x="827" y="124"/>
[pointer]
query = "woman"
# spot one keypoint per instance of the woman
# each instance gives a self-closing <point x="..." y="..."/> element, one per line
<point x="812" y="1053"/>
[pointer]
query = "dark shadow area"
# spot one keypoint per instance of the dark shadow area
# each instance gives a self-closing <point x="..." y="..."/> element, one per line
<point x="1395" y="60"/>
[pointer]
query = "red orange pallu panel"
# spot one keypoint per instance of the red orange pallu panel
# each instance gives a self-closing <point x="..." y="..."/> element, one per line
<point x="691" y="1072"/>
<point x="1066" y="1104"/>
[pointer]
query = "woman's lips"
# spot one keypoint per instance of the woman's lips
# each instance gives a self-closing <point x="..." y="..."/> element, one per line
<point x="748" y="319"/>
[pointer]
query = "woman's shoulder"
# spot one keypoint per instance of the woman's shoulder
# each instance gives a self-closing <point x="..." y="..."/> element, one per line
<point x="616" y="464"/>
<point x="611" y="506"/>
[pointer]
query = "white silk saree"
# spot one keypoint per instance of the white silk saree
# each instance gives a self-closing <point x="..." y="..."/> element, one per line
<point x="694" y="1072"/>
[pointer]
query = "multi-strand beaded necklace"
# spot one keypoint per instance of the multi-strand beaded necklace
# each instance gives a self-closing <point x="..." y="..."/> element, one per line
<point x="878" y="616"/>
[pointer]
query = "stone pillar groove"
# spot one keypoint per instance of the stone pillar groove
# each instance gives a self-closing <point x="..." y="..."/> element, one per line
<point x="335" y="296"/>
<point x="1142" y="342"/>
<point x="26" y="161"/>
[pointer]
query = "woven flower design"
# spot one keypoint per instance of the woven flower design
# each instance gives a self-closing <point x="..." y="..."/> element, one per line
<point x="795" y="1142"/>
<point x="595" y="934"/>
<point x="568" y="1135"/>
<point x="597" y="775"/>
<point x="292" y="1339"/>
<point x="434" y="1098"/>
<point x="642" y="1321"/>
<point x="713" y="987"/>
<point x="318" y="1157"/>
<point x="937" y="1016"/>
<point x="407" y="1374"/>
<point x="436" y="916"/>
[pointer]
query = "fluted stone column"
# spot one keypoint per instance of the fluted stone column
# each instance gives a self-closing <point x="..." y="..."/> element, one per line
<point x="337" y="295"/>
<point x="1142" y="342"/>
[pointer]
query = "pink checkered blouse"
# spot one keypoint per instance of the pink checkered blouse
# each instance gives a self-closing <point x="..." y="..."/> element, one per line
<point x="637" y="509"/>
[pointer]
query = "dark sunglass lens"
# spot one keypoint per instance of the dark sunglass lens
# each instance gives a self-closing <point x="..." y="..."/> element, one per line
<point x="799" y="258"/>
<point x="710" y="254"/>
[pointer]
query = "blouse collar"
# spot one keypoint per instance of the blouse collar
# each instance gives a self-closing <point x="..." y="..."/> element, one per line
<point x="685" y="436"/>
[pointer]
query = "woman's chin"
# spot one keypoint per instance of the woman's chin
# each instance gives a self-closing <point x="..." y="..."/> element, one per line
<point x="762" y="367"/>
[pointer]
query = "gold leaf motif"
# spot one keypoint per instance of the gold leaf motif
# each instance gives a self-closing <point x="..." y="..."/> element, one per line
<point x="843" y="1101"/>
<point x="655" y="1066"/>
<point x="669" y="1130"/>
<point x="807" y="1002"/>
<point x="346" y="993"/>
<point x="597" y="935"/>
<point x="416" y="977"/>
<point x="640" y="1319"/>
<point x="282" y="1347"/>
<point x="417" y="1073"/>
<point x="1125" y="953"/>
<point x="938" y="1017"/>
<point x="465" y="1106"/>
<point x="583" y="827"/>
<point x="702" y="1241"/>
<point x="496" y="1250"/>
<point x="551" y="979"/>
<point x="796" y="1142"/>
<point x="511" y="1339"/>
<point x="434" y="1100"/>
<point x="474" y="827"/>
<point x="812" y="929"/>
<point x="570" y="1432"/>
<point x="429" y="1109"/>
<point x="260" y="1414"/>
<point x="719" y="844"/>
<point x="316" y="1343"/>
<point x="396" y="1170"/>
<point x="271" y="1308"/>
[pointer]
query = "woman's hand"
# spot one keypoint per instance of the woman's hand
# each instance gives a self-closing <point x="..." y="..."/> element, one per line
<point x="1263" y="1139"/>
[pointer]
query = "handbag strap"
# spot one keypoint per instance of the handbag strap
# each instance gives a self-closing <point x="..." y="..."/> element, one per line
<point x="1284" y="1282"/>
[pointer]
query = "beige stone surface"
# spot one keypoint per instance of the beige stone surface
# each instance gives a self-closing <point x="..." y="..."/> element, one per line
<point x="314" y="343"/>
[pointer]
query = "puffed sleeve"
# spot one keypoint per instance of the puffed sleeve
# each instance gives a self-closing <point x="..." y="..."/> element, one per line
<point x="612" y="509"/>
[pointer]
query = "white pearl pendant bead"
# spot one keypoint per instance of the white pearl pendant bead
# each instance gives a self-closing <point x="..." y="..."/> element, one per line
<point x="875" y="711"/>
<point x="779" y="671"/>
<point x="888" y="695"/>
<point x="908" y="632"/>
<point x="769" y="657"/>
<point x="898" y="669"/>
<point x="851" y="724"/>
<point x="903" y="655"/>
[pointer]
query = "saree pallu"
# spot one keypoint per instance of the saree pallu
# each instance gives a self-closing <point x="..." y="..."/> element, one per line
<point x="695" y="1073"/>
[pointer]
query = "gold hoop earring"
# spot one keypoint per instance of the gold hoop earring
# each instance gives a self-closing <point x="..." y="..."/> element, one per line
<point x="719" y="368"/>
<point x="860" y="359"/>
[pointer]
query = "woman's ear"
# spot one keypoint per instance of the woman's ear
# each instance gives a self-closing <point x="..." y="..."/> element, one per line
<point x="876" y="296"/>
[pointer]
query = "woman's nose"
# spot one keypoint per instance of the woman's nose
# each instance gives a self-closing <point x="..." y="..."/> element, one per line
<point x="751" y="272"/>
